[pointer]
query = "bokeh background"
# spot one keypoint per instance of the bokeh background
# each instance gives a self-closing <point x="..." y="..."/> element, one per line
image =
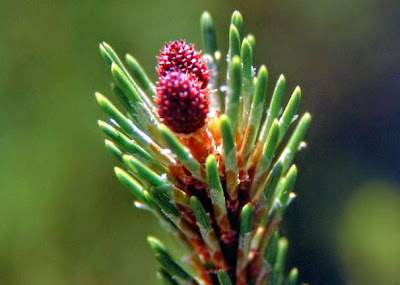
<point x="64" y="219"/>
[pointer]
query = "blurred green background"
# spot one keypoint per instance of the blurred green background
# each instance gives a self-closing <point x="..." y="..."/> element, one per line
<point x="64" y="219"/>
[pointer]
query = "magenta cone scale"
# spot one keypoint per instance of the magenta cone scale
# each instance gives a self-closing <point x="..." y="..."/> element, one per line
<point x="179" y="55"/>
<point x="182" y="104"/>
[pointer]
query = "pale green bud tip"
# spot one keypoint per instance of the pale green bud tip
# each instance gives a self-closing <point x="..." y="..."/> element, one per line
<point x="102" y="100"/>
<point x="236" y="60"/>
<point x="283" y="244"/>
<point x="156" y="245"/>
<point x="223" y="117"/>
<point x="162" y="128"/>
<point x="263" y="70"/>
<point x="233" y="29"/>
<point x="252" y="40"/>
<point x="107" y="128"/>
<point x="293" y="170"/>
<point x="245" y="219"/>
<point x="99" y="97"/>
<point x="294" y="272"/>
<point x="206" y="18"/>
<point x="128" y="57"/>
<point x="101" y="124"/>
<point x="129" y="160"/>
<point x="237" y="19"/>
<point x="105" y="44"/>
<point x="101" y="47"/>
<point x="307" y="117"/>
<point x="119" y="172"/>
<point x="246" y="45"/>
<point x="210" y="160"/>
<point x="115" y="68"/>
<point x="236" y="15"/>
<point x="111" y="146"/>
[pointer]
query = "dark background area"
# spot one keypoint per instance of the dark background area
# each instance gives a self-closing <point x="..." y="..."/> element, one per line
<point x="66" y="220"/>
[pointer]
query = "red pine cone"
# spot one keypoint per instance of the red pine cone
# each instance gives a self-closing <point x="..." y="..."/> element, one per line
<point x="182" y="104"/>
<point x="179" y="55"/>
